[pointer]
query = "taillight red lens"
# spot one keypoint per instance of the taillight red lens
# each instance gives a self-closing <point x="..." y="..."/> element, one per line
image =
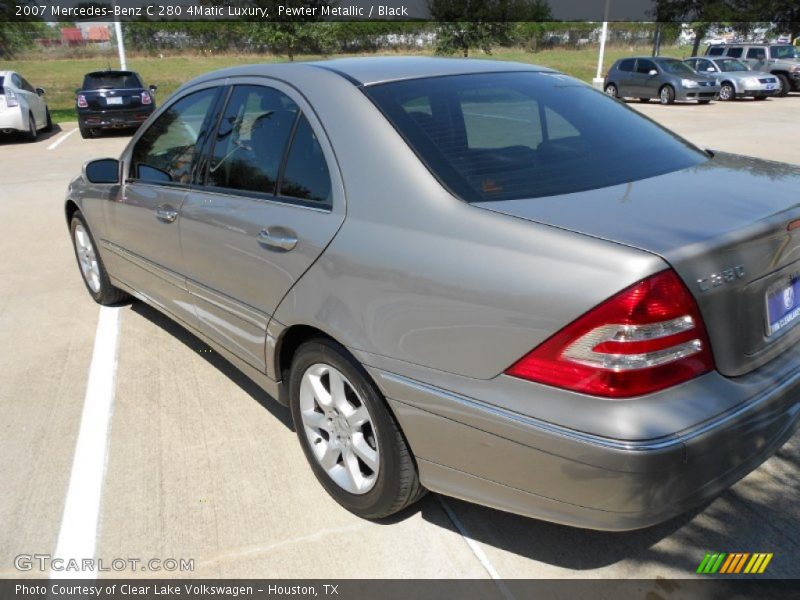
<point x="648" y="337"/>
<point x="146" y="99"/>
<point x="82" y="101"/>
<point x="11" y="98"/>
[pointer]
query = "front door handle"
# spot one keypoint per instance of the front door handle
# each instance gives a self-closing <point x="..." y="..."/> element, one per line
<point x="278" y="238"/>
<point x="166" y="213"/>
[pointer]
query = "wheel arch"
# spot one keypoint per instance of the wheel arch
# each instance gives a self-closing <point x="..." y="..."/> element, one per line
<point x="290" y="340"/>
<point x="70" y="208"/>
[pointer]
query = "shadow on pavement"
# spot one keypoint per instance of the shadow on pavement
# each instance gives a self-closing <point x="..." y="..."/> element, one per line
<point x="182" y="334"/>
<point x="7" y="139"/>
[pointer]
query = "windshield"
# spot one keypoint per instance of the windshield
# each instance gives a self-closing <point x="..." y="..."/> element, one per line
<point x="676" y="67"/>
<point x="783" y="52"/>
<point x="99" y="81"/>
<point x="731" y="64"/>
<point x="504" y="136"/>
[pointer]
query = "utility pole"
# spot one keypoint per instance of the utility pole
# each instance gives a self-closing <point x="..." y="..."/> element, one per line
<point x="598" y="80"/>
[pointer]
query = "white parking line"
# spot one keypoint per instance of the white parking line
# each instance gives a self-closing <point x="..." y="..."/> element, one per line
<point x="476" y="549"/>
<point x="78" y="534"/>
<point x="61" y="138"/>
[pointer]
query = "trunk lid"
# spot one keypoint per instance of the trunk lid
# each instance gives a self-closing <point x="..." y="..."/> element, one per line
<point x="729" y="227"/>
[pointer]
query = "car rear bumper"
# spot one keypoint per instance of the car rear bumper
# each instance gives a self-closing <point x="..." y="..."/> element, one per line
<point x="489" y="455"/>
<point x="119" y="119"/>
<point x="11" y="119"/>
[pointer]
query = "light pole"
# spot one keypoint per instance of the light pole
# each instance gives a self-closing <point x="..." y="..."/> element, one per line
<point x="120" y="45"/>
<point x="598" y="80"/>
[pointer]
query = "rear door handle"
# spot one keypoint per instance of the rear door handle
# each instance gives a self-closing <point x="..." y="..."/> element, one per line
<point x="278" y="238"/>
<point x="166" y="213"/>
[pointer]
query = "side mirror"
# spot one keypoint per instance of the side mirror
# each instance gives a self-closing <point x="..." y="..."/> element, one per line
<point x="652" y="72"/>
<point x="40" y="91"/>
<point x="153" y="88"/>
<point x="102" y="170"/>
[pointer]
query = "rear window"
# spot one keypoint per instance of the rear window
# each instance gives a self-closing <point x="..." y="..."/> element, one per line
<point x="505" y="136"/>
<point x="99" y="81"/>
<point x="716" y="51"/>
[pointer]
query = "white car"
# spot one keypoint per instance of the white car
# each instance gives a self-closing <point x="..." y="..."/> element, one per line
<point x="22" y="107"/>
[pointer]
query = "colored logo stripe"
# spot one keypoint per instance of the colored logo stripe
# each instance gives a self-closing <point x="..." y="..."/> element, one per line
<point x="734" y="563"/>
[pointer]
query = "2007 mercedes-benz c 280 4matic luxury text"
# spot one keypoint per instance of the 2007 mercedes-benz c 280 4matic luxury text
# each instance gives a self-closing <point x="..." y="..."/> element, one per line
<point x="480" y="278"/>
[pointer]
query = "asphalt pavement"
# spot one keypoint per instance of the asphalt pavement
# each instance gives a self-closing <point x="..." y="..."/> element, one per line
<point x="202" y="465"/>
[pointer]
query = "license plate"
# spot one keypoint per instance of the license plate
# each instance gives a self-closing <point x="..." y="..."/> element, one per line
<point x="770" y="87"/>
<point x="113" y="100"/>
<point x="783" y="306"/>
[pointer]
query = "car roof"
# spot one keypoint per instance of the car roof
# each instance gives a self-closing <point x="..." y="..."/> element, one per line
<point x="374" y="70"/>
<point x="109" y="72"/>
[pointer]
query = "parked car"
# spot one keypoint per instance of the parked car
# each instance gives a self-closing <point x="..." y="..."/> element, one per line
<point x="23" y="108"/>
<point x="782" y="60"/>
<point x="667" y="79"/>
<point x="113" y="100"/>
<point x="736" y="78"/>
<point x="480" y="278"/>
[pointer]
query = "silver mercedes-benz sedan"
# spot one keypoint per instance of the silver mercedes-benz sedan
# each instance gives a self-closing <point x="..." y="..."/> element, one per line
<point x="484" y="279"/>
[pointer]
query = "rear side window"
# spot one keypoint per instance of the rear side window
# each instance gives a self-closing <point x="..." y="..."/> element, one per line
<point x="99" y="81"/>
<point x="252" y="139"/>
<point x="735" y="52"/>
<point x="627" y="64"/>
<point x="756" y="53"/>
<point x="716" y="51"/>
<point x="2" y="89"/>
<point x="306" y="175"/>
<point x="504" y="136"/>
<point x="167" y="151"/>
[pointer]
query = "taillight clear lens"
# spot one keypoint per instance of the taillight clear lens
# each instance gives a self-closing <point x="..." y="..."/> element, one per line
<point x="11" y="98"/>
<point x="82" y="101"/>
<point x="648" y="337"/>
<point x="146" y="99"/>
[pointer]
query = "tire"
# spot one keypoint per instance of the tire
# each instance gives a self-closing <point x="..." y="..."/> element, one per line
<point x="786" y="86"/>
<point x="49" y="126"/>
<point x="85" y="133"/>
<point x="612" y="90"/>
<point x="666" y="95"/>
<point x="91" y="267"/>
<point x="32" y="133"/>
<point x="727" y="92"/>
<point x="320" y="420"/>
<point x="644" y="100"/>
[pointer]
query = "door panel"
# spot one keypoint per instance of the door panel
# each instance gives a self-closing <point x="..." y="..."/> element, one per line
<point x="143" y="224"/>
<point x="249" y="237"/>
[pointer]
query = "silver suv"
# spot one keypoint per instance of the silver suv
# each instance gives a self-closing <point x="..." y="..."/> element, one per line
<point x="782" y="60"/>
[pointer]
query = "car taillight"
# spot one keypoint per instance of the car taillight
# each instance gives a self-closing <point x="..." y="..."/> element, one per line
<point x="146" y="99"/>
<point x="648" y="337"/>
<point x="11" y="98"/>
<point x="82" y="101"/>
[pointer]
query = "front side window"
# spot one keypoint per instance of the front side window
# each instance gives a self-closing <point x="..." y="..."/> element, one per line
<point x="252" y="139"/>
<point x="504" y="136"/>
<point x="167" y="152"/>
<point x="756" y="53"/>
<point x="731" y="64"/>
<point x="783" y="52"/>
<point x="676" y="67"/>
<point x="705" y="66"/>
<point x="644" y="66"/>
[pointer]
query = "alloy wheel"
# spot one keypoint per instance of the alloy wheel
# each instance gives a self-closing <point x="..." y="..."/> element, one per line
<point x="726" y="92"/>
<point x="87" y="259"/>
<point x="339" y="429"/>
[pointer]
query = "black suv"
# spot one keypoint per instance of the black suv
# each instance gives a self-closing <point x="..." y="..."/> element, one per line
<point x="113" y="100"/>
<point x="782" y="60"/>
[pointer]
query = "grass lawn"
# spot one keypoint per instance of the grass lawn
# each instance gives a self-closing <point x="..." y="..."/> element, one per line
<point x="60" y="77"/>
